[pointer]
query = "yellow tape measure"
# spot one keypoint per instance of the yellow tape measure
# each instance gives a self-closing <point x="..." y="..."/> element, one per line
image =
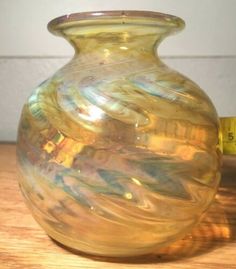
<point x="228" y="129"/>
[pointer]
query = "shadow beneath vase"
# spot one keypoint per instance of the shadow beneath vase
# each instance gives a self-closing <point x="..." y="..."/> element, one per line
<point x="216" y="229"/>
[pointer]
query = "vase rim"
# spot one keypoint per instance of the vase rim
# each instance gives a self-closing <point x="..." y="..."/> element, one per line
<point x="120" y="16"/>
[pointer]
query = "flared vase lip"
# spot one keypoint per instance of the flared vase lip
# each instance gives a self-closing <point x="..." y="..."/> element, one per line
<point x="174" y="23"/>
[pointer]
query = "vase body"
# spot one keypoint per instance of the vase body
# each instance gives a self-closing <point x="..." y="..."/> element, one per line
<point x="118" y="154"/>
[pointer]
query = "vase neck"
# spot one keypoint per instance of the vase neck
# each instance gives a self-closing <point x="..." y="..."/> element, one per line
<point x="119" y="32"/>
<point x="122" y="43"/>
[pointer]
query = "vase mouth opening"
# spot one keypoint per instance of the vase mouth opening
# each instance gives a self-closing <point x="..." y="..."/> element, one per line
<point x="116" y="17"/>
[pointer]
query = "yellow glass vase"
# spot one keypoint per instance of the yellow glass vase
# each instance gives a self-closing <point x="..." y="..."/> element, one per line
<point x="118" y="154"/>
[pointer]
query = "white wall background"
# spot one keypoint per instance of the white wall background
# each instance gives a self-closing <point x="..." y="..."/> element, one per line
<point x="205" y="51"/>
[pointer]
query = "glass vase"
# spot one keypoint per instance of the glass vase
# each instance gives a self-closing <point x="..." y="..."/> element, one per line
<point x="118" y="154"/>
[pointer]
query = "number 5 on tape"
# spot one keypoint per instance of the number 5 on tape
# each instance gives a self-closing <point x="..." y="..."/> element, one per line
<point x="228" y="130"/>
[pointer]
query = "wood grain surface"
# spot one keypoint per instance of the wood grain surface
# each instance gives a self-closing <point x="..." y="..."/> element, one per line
<point x="24" y="245"/>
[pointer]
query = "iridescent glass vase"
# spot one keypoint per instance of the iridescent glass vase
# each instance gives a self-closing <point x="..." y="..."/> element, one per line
<point x="118" y="154"/>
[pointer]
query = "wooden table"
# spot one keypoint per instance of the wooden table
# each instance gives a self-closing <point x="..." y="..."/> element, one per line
<point x="24" y="245"/>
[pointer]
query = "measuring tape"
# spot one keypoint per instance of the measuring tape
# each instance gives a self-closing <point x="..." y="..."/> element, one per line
<point x="228" y="132"/>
